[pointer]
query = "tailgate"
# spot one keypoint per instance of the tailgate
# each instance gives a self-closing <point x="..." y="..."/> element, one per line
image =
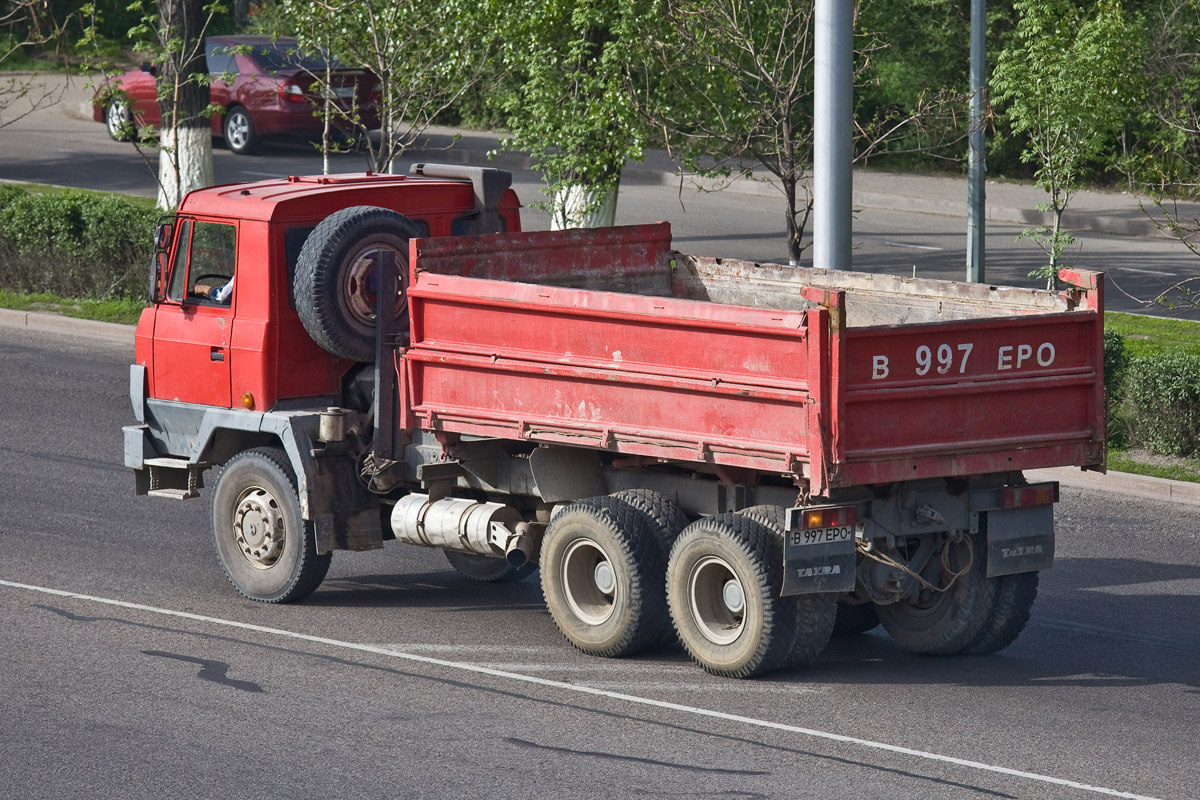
<point x="970" y="397"/>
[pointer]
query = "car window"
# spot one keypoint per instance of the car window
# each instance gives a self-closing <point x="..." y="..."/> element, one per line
<point x="220" y="58"/>
<point x="277" y="56"/>
<point x="204" y="261"/>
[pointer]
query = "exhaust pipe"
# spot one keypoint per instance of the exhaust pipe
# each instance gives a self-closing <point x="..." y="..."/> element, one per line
<point x="525" y="545"/>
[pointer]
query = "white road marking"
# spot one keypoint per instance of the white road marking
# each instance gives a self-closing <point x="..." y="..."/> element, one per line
<point x="570" y="687"/>
<point x="914" y="246"/>
<point x="1147" y="271"/>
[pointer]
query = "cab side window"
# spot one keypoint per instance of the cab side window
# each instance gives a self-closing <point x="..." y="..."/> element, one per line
<point x="204" y="262"/>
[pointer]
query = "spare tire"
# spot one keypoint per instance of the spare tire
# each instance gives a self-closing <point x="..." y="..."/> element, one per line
<point x="337" y="277"/>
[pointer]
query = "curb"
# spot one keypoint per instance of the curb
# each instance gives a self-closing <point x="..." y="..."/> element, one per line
<point x="1123" y="483"/>
<point x="1143" y="486"/>
<point x="63" y="326"/>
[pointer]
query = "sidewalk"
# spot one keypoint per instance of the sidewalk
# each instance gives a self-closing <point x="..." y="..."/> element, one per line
<point x="1117" y="213"/>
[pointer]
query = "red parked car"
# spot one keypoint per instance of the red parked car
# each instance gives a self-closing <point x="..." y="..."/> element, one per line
<point x="271" y="93"/>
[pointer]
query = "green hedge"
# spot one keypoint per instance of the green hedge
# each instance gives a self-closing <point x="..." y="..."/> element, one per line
<point x="74" y="244"/>
<point x="1164" y="394"/>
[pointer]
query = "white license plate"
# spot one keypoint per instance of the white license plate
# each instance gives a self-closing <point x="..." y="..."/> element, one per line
<point x="344" y="92"/>
<point x="839" y="533"/>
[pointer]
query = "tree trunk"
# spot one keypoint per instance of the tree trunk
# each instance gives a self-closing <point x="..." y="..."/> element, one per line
<point x="185" y="149"/>
<point x="577" y="206"/>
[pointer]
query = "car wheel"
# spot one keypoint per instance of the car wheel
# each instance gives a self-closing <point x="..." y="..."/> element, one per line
<point x="240" y="136"/>
<point x="119" y="121"/>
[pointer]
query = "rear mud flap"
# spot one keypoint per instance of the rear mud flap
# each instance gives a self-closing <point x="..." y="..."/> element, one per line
<point x="1020" y="540"/>
<point x="815" y="568"/>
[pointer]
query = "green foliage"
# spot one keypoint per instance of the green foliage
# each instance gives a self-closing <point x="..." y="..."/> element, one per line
<point x="1066" y="86"/>
<point x="570" y="109"/>
<point x="1116" y="362"/>
<point x="74" y="244"/>
<point x="1164" y="390"/>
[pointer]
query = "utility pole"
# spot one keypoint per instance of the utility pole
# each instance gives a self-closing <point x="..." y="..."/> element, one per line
<point x="833" y="110"/>
<point x="976" y="165"/>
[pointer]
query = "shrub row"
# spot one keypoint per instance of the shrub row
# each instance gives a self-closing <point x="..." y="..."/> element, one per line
<point x="1154" y="400"/>
<point x="74" y="244"/>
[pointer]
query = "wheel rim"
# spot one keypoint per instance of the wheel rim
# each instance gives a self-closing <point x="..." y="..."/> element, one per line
<point x="237" y="130"/>
<point x="587" y="572"/>
<point x="258" y="527"/>
<point x="361" y="284"/>
<point x="718" y="600"/>
<point x="116" y="117"/>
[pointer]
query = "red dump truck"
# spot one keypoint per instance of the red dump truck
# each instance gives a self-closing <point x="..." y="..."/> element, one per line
<point x="742" y="457"/>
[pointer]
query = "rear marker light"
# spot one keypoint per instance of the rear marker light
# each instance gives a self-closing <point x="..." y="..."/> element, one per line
<point x="1041" y="494"/>
<point x="815" y="518"/>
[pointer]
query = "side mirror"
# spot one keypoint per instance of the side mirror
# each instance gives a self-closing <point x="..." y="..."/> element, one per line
<point x="162" y="236"/>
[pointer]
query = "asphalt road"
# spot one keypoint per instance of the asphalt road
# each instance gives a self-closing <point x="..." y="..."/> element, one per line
<point x="131" y="669"/>
<point x="57" y="146"/>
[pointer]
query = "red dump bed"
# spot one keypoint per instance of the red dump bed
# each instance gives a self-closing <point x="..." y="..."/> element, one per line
<point x="609" y="339"/>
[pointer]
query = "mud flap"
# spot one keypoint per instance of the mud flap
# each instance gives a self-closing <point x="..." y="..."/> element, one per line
<point x="1020" y="540"/>
<point x="814" y="568"/>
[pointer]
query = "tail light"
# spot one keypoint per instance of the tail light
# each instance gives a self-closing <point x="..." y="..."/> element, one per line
<point x="813" y="518"/>
<point x="292" y="93"/>
<point x="1038" y="494"/>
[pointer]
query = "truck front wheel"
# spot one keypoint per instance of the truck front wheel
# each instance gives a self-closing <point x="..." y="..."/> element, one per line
<point x="486" y="569"/>
<point x="268" y="551"/>
<point x="602" y="578"/>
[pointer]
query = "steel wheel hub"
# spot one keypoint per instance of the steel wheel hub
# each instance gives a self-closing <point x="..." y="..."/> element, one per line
<point x="258" y="528"/>
<point x="362" y="289"/>
<point x="589" y="582"/>
<point x="718" y="600"/>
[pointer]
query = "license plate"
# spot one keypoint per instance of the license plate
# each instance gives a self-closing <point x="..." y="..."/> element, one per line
<point x="344" y="92"/>
<point x="840" y="533"/>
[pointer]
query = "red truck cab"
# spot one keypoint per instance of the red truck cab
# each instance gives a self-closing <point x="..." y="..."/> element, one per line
<point x="249" y="349"/>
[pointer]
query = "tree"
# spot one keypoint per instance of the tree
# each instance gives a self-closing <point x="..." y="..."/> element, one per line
<point x="1171" y="160"/>
<point x="185" y="158"/>
<point x="1066" y="86"/>
<point x="25" y="25"/>
<point x="421" y="52"/>
<point x="730" y="83"/>
<point x="571" y="110"/>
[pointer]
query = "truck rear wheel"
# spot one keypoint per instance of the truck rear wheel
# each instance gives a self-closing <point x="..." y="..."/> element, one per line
<point x="337" y="276"/>
<point x="815" y="613"/>
<point x="855" y="618"/>
<point x="268" y="551"/>
<point x="722" y="584"/>
<point x="944" y="623"/>
<point x="602" y="578"/>
<point x="486" y="569"/>
<point x="1014" y="602"/>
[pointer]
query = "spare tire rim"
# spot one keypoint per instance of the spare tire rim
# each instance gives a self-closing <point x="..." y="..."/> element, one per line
<point x="717" y="599"/>
<point x="362" y="278"/>
<point x="258" y="527"/>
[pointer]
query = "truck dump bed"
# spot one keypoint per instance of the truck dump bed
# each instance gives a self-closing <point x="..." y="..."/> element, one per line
<point x="609" y="339"/>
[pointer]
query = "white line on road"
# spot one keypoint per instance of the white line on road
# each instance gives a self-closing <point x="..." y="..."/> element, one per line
<point x="570" y="687"/>
<point x="914" y="246"/>
<point x="1147" y="271"/>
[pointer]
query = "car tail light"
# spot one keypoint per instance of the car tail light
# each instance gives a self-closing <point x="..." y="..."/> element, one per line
<point x="1038" y="494"/>
<point x="814" y="518"/>
<point x="292" y="93"/>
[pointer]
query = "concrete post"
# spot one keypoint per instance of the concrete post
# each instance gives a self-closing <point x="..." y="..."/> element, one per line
<point x="976" y="164"/>
<point x="833" y="109"/>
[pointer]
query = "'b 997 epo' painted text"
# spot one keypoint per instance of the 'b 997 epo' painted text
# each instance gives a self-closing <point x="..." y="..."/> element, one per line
<point x="945" y="359"/>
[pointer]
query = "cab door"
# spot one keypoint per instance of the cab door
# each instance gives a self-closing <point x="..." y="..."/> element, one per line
<point x="193" y="325"/>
